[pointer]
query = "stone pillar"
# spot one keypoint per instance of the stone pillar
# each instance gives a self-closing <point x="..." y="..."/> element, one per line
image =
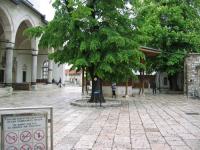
<point x="34" y="68"/>
<point x="50" y="72"/>
<point x="9" y="63"/>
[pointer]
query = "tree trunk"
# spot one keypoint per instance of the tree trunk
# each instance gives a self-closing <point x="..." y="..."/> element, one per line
<point x="86" y="81"/>
<point x="141" y="91"/>
<point x="126" y="90"/>
<point x="97" y="93"/>
<point x="173" y="82"/>
<point x="83" y="82"/>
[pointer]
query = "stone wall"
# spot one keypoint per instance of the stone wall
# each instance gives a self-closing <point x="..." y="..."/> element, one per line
<point x="191" y="69"/>
<point x="162" y="82"/>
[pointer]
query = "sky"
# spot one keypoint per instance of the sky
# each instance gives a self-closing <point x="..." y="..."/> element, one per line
<point x="46" y="8"/>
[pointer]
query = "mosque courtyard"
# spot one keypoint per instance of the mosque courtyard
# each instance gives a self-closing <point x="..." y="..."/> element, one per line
<point x="161" y="122"/>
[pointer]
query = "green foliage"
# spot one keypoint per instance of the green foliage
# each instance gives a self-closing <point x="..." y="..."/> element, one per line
<point x="34" y="32"/>
<point x="172" y="26"/>
<point x="93" y="34"/>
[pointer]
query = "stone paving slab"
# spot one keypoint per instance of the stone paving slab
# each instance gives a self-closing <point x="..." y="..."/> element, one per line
<point x="161" y="122"/>
<point x="84" y="103"/>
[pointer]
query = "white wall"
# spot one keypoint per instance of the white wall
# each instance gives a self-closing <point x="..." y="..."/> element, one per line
<point x="120" y="90"/>
<point x="21" y="61"/>
<point x="58" y="72"/>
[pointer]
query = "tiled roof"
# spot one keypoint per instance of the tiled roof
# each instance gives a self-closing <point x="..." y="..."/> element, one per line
<point x="72" y="72"/>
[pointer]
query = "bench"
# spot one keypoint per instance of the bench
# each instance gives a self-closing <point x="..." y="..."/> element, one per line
<point x="22" y="86"/>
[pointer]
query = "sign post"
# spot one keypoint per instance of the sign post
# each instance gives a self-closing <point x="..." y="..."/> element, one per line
<point x="26" y="131"/>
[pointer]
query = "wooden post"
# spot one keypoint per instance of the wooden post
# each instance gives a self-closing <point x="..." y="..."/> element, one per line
<point x="141" y="92"/>
<point x="142" y="82"/>
<point x="83" y="82"/>
<point x="132" y="84"/>
<point x="126" y="91"/>
<point x="86" y="78"/>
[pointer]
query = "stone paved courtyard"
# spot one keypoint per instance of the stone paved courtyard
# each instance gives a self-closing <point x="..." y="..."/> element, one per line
<point x="161" y="122"/>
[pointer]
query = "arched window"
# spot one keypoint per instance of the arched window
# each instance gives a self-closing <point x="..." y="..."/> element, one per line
<point x="45" y="69"/>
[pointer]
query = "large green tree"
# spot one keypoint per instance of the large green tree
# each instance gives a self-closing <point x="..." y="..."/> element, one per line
<point x="172" y="26"/>
<point x="98" y="35"/>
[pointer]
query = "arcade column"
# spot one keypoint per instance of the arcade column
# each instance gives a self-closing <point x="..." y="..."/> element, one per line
<point x="50" y="72"/>
<point x="9" y="64"/>
<point x="34" y="68"/>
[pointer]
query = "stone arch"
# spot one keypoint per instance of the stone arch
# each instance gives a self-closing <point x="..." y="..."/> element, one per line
<point x="30" y="23"/>
<point x="20" y="37"/>
<point x="6" y="23"/>
<point x="28" y="19"/>
<point x="6" y="28"/>
<point x="23" y="52"/>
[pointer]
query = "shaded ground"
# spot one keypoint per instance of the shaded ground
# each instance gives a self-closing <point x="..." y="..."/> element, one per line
<point x="153" y="122"/>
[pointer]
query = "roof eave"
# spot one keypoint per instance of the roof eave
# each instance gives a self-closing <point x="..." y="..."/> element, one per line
<point x="150" y="49"/>
<point x="30" y="6"/>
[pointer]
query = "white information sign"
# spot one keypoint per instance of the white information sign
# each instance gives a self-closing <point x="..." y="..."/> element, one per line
<point x="24" y="131"/>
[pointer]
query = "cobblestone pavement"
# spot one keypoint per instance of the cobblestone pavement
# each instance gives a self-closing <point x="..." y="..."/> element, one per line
<point x="162" y="122"/>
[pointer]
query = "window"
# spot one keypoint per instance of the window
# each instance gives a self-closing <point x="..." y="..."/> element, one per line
<point x="45" y="69"/>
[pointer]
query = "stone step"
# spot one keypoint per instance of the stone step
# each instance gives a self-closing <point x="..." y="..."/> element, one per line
<point x="167" y="91"/>
<point x="6" y="91"/>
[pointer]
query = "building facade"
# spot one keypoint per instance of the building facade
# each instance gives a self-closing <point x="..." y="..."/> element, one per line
<point x="73" y="76"/>
<point x="21" y="60"/>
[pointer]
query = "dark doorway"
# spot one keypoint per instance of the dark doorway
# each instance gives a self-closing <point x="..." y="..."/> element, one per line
<point x="24" y="76"/>
<point x="1" y="76"/>
<point x="165" y="81"/>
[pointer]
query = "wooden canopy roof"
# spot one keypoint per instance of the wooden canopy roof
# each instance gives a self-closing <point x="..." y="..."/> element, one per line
<point x="150" y="52"/>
